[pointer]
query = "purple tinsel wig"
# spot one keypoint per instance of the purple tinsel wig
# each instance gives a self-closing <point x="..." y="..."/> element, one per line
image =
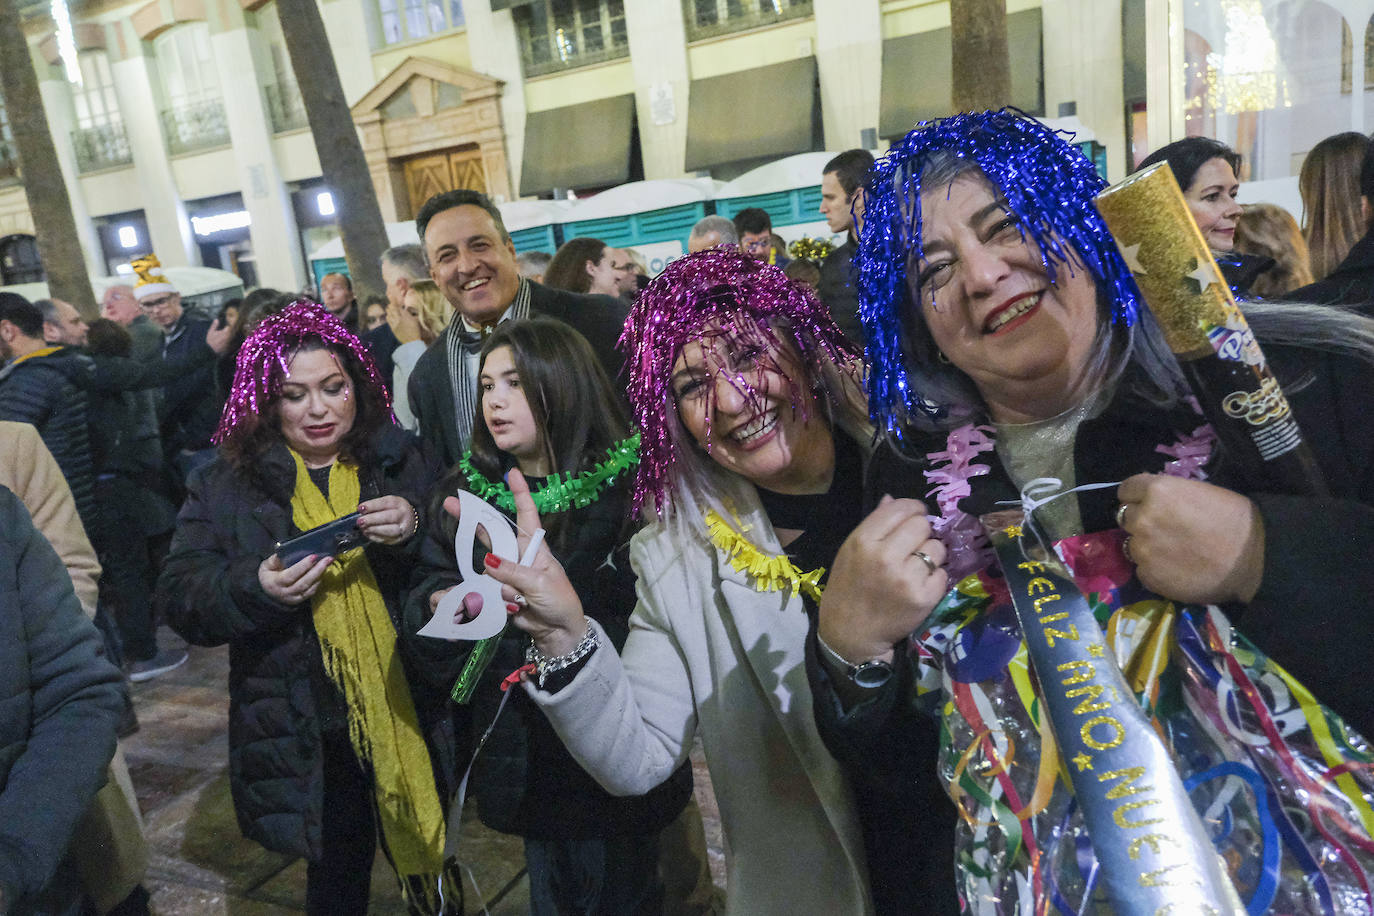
<point x="265" y="358"/>
<point x="718" y="293"/>
<point x="1049" y="186"/>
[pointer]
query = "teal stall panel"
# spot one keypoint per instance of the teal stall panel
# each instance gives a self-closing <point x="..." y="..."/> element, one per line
<point x="785" y="208"/>
<point x="670" y="224"/>
<point x="322" y="266"/>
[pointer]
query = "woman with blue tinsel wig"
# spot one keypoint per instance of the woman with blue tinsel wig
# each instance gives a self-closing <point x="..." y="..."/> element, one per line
<point x="1007" y="343"/>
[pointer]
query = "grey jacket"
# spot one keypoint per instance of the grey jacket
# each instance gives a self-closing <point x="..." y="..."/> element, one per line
<point x="59" y="705"/>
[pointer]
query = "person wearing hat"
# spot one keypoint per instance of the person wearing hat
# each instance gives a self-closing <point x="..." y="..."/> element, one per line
<point x="190" y="407"/>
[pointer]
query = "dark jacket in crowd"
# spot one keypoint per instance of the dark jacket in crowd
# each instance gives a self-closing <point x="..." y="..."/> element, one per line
<point x="146" y="338"/>
<point x="190" y="408"/>
<point x="39" y="390"/>
<point x="1351" y="283"/>
<point x="124" y="436"/>
<point x="600" y="319"/>
<point x="279" y="693"/>
<point x="1313" y="614"/>
<point x="59" y="705"/>
<point x="525" y="781"/>
<point x="382" y="343"/>
<point x="1240" y="271"/>
<point x="838" y="292"/>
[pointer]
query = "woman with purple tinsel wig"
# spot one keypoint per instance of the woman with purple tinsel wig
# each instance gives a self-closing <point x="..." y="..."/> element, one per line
<point x="327" y="745"/>
<point x="1008" y="346"/>
<point x="754" y="441"/>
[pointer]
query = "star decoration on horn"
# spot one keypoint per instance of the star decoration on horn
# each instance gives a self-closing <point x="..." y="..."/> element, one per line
<point x="1131" y="255"/>
<point x="1205" y="274"/>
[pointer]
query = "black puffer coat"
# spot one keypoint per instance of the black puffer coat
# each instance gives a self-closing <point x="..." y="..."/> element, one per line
<point x="190" y="405"/>
<point x="210" y="594"/>
<point x="525" y="781"/>
<point x="38" y="390"/>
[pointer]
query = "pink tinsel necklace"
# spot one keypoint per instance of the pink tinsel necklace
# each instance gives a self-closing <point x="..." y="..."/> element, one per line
<point x="952" y="469"/>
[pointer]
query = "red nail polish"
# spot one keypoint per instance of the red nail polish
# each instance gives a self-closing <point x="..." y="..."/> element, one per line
<point x="493" y="561"/>
<point x="512" y="607"/>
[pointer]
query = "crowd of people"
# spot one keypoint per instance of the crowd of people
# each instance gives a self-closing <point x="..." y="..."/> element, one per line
<point x="744" y="497"/>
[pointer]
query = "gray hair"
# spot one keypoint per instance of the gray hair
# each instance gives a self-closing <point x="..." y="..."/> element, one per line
<point x="533" y="263"/>
<point x="49" y="310"/>
<point x="408" y="259"/>
<point x="719" y="224"/>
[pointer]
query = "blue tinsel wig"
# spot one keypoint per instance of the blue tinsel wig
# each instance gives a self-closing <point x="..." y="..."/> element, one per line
<point x="1049" y="186"/>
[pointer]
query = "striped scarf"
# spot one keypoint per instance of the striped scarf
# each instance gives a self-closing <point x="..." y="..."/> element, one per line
<point x="462" y="372"/>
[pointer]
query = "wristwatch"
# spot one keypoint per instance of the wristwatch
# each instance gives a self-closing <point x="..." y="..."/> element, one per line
<point x="869" y="675"/>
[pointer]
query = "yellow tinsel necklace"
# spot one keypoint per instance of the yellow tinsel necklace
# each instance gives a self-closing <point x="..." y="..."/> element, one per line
<point x="770" y="573"/>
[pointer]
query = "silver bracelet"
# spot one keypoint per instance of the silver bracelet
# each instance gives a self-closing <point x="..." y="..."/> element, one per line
<point x="544" y="666"/>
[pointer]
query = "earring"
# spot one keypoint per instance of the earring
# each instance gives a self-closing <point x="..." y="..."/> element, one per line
<point x="940" y="355"/>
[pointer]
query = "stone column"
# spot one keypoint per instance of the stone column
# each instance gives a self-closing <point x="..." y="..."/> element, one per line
<point x="276" y="242"/>
<point x="57" y="103"/>
<point x="495" y="51"/>
<point x="658" y="56"/>
<point x="849" y="60"/>
<point x="1084" y="64"/>
<point x="169" y="230"/>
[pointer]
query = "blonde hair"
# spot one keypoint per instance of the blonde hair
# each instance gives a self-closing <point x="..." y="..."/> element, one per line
<point x="1271" y="231"/>
<point x="435" y="310"/>
<point x="1330" y="186"/>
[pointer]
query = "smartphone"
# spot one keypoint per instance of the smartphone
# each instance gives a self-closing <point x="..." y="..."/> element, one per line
<point x="328" y="540"/>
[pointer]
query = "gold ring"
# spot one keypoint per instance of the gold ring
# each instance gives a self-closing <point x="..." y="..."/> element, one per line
<point x="925" y="558"/>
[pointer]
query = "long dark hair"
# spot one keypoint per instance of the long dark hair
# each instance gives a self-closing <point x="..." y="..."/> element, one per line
<point x="1188" y="155"/>
<point x="571" y="400"/>
<point x="568" y="269"/>
<point x="570" y="397"/>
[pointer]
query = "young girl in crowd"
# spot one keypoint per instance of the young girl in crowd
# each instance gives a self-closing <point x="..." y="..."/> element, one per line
<point x="548" y="409"/>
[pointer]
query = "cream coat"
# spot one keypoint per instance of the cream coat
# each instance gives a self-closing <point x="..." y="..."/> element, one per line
<point x="29" y="470"/>
<point x="710" y="655"/>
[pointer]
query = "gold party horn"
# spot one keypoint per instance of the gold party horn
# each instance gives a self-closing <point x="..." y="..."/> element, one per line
<point x="1190" y="299"/>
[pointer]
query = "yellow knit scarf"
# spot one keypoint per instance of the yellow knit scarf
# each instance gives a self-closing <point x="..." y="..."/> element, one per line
<point x="358" y="642"/>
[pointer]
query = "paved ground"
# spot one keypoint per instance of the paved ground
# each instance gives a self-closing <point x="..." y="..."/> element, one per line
<point x="202" y="866"/>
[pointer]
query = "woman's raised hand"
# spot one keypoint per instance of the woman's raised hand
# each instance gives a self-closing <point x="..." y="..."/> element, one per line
<point x="539" y="597"/>
<point x="387" y="520"/>
<point x="1192" y="541"/>
<point x="292" y="584"/>
<point x="886" y="580"/>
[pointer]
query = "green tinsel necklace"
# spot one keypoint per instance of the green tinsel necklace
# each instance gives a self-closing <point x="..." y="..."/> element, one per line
<point x="561" y="491"/>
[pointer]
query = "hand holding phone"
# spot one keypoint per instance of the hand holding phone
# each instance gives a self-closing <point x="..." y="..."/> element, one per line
<point x="328" y="540"/>
<point x="294" y="584"/>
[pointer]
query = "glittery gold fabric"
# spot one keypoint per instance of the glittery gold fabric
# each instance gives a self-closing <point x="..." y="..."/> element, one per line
<point x="1169" y="258"/>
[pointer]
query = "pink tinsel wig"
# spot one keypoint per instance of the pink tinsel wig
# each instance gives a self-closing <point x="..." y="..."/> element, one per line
<point x="265" y="358"/>
<point x="713" y="294"/>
